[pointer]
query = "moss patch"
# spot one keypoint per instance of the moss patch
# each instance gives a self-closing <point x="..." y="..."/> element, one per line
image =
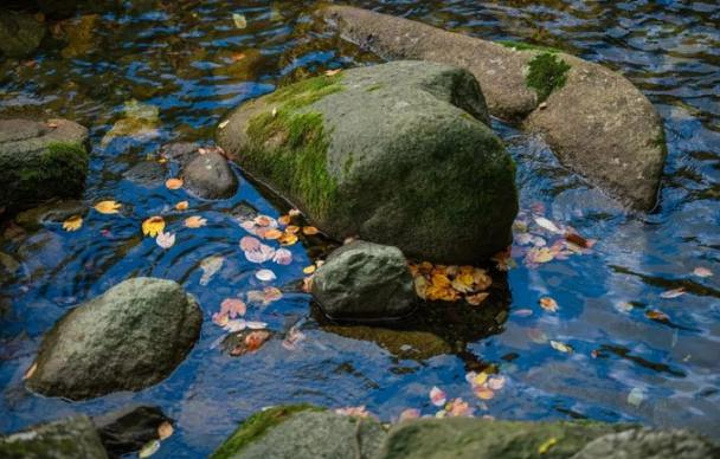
<point x="522" y="46"/>
<point x="547" y="74"/>
<point x="306" y="92"/>
<point x="62" y="163"/>
<point x="256" y="426"/>
<point x="661" y="142"/>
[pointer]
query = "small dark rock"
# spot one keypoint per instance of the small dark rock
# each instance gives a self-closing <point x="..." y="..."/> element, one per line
<point x="146" y="173"/>
<point x="180" y="152"/>
<point x="128" y="430"/>
<point x="246" y="342"/>
<point x="209" y="176"/>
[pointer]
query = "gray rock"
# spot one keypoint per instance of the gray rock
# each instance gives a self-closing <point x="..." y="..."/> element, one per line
<point x="39" y="161"/>
<point x="598" y="123"/>
<point x="286" y="433"/>
<point x="147" y="174"/>
<point x="129" y="338"/>
<point x="70" y="438"/>
<point x="20" y="34"/>
<point x="209" y="176"/>
<point x="649" y="444"/>
<point x="128" y="430"/>
<point x="180" y="152"/>
<point x="362" y="280"/>
<point x="398" y="154"/>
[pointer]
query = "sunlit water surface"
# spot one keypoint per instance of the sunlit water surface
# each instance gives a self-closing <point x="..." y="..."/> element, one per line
<point x="182" y="57"/>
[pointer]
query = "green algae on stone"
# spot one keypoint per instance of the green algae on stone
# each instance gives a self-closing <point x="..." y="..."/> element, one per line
<point x="546" y="74"/>
<point x="256" y="426"/>
<point x="306" y="92"/>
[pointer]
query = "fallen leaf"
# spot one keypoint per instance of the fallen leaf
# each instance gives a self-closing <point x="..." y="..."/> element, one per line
<point x="562" y="347"/>
<point x="659" y="316"/>
<point x="702" y="272"/>
<point x="548" y="304"/>
<point x="545" y="447"/>
<point x="153" y="226"/>
<point x="30" y="371"/>
<point x="174" y="183"/>
<point x="149" y="449"/>
<point x="310" y="230"/>
<point x="265" y="275"/>
<point x="496" y="382"/>
<point x="272" y="234"/>
<point x="249" y="243"/>
<point x="523" y="313"/>
<point x="210" y="266"/>
<point x="283" y="257"/>
<point x="292" y="229"/>
<point x="223" y="124"/>
<point x="309" y="269"/>
<point x="261" y="255"/>
<point x="239" y="21"/>
<point x="165" y="240"/>
<point x="230" y="308"/>
<point x="476" y="299"/>
<point x="484" y="393"/>
<point x="182" y="205"/>
<point x="636" y="397"/>
<point x="578" y="240"/>
<point x="165" y="430"/>
<point x="284" y="220"/>
<point x="332" y="72"/>
<point x="547" y="224"/>
<point x="288" y="239"/>
<point x="195" y="221"/>
<point x="437" y="396"/>
<point x="674" y="293"/>
<point x="108" y="207"/>
<point x="73" y="223"/>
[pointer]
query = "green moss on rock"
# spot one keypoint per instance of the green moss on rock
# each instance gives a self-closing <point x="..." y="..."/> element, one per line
<point x="256" y="426"/>
<point x="306" y="92"/>
<point x="547" y="73"/>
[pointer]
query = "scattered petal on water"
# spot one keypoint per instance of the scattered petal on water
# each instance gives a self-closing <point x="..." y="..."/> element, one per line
<point x="153" y="226"/>
<point x="437" y="396"/>
<point x="265" y="275"/>
<point x="636" y="397"/>
<point x="165" y="240"/>
<point x="73" y="223"/>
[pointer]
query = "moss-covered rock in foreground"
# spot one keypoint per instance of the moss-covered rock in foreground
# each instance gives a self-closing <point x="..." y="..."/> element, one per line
<point x="39" y="161"/>
<point x="65" y="439"/>
<point x="399" y="154"/>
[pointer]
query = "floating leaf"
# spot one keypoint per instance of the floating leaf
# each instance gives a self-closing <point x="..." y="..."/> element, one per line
<point x="108" y="207"/>
<point x="30" y="371"/>
<point x="477" y="299"/>
<point x="496" y="382"/>
<point x="153" y="226"/>
<point x="149" y="449"/>
<point x="537" y="336"/>
<point x="545" y="447"/>
<point x="223" y="124"/>
<point x="293" y="338"/>
<point x="284" y="220"/>
<point x="288" y="239"/>
<point x="579" y="241"/>
<point x="547" y="224"/>
<point x="659" y="316"/>
<point x="239" y="21"/>
<point x="165" y="430"/>
<point x="548" y="304"/>
<point x="562" y="347"/>
<point x="182" y="205"/>
<point x="195" y="221"/>
<point x="283" y="257"/>
<point x="702" y="272"/>
<point x="309" y="269"/>
<point x="293" y="229"/>
<point x="73" y="223"/>
<point x="636" y="397"/>
<point x="294" y="213"/>
<point x="484" y="393"/>
<point x="263" y="254"/>
<point x="249" y="243"/>
<point x="674" y="293"/>
<point x="272" y="234"/>
<point x="437" y="396"/>
<point x="523" y="313"/>
<point x="165" y="240"/>
<point x="174" y="183"/>
<point x="210" y="266"/>
<point x="265" y="275"/>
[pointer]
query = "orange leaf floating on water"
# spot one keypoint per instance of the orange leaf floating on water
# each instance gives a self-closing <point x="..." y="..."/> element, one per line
<point x="674" y="293"/>
<point x="182" y="205"/>
<point x="548" y="304"/>
<point x="293" y="229"/>
<point x="272" y="234"/>
<point x="659" y="316"/>
<point x="578" y="240"/>
<point x="165" y="430"/>
<point x="108" y="207"/>
<point x="264" y="220"/>
<point x="195" y="221"/>
<point x="484" y="393"/>
<point x="254" y="340"/>
<point x="284" y="220"/>
<point x="153" y="226"/>
<point x="174" y="183"/>
<point x="288" y="239"/>
<point x="73" y="223"/>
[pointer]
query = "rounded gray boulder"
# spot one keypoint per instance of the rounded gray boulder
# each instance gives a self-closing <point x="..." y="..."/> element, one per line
<point x="362" y="280"/>
<point x="209" y="176"/>
<point x="129" y="338"/>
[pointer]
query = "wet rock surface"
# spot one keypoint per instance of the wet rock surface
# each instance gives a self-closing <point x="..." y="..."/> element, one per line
<point x="20" y="34"/>
<point x="128" y="430"/>
<point x="209" y="176"/>
<point x="69" y="438"/>
<point x="129" y="338"/>
<point x="598" y="123"/>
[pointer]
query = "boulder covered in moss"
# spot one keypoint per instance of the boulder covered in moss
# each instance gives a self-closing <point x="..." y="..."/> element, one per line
<point x="20" y="34"/>
<point x="303" y="431"/>
<point x="69" y="438"/>
<point x="400" y="154"/>
<point x="597" y="122"/>
<point x="129" y="338"/>
<point x="41" y="160"/>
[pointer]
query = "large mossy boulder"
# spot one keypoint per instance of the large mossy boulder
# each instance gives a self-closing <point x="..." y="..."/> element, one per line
<point x="70" y="438"/>
<point x="597" y="122"/>
<point x="303" y="431"/>
<point x="399" y="154"/>
<point x="362" y="280"/>
<point x="39" y="161"/>
<point x="129" y="338"/>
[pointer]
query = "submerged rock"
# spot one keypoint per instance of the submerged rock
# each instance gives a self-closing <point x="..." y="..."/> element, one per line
<point x="128" y="430"/>
<point x="20" y="34"/>
<point x="362" y="280"/>
<point x="69" y="438"/>
<point x="597" y="122"/>
<point x="147" y="174"/>
<point x="129" y="338"/>
<point x="209" y="176"/>
<point x="39" y="161"/>
<point x="398" y="154"/>
<point x="303" y="431"/>
<point x="54" y="211"/>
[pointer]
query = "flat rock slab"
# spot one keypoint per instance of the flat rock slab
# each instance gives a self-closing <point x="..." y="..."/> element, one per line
<point x="597" y="122"/>
<point x="41" y="160"/>
<point x="70" y="438"/>
<point x="129" y="338"/>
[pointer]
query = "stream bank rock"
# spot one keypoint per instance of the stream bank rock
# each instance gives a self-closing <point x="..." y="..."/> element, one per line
<point x="362" y="280"/>
<point x="598" y="123"/>
<point x="69" y="438"/>
<point x="39" y="161"/>
<point x="128" y="430"/>
<point x="209" y="176"/>
<point x="20" y="34"/>
<point x="129" y="338"/>
<point x="398" y="154"/>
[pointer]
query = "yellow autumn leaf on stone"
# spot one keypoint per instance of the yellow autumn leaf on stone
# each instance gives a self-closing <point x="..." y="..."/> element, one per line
<point x="108" y="207"/>
<point x="174" y="183"/>
<point x="545" y="447"/>
<point x="153" y="226"/>
<point x="195" y="221"/>
<point x="73" y="223"/>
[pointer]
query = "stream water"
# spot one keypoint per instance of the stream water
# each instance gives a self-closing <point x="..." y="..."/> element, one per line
<point x="637" y="354"/>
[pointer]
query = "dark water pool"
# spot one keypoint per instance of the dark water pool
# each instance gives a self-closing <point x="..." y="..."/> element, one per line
<point x="637" y="356"/>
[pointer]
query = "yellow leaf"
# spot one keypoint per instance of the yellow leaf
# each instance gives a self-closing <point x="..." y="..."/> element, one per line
<point x="153" y="226"/>
<point x="108" y="207"/>
<point x="174" y="183"/>
<point x="195" y="221"/>
<point x="292" y="229"/>
<point x="284" y="220"/>
<point x="309" y="269"/>
<point x="477" y="299"/>
<point x="182" y="205"/>
<point x="480" y="379"/>
<point x="272" y="234"/>
<point x="165" y="430"/>
<point x="288" y="239"/>
<point x="310" y="230"/>
<point x="482" y="279"/>
<point x="332" y="72"/>
<point x="484" y="393"/>
<point x="545" y="447"/>
<point x="440" y="280"/>
<point x="73" y="223"/>
<point x="421" y="287"/>
<point x="558" y="346"/>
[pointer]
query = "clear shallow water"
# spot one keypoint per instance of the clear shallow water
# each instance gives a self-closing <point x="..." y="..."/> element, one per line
<point x="182" y="58"/>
